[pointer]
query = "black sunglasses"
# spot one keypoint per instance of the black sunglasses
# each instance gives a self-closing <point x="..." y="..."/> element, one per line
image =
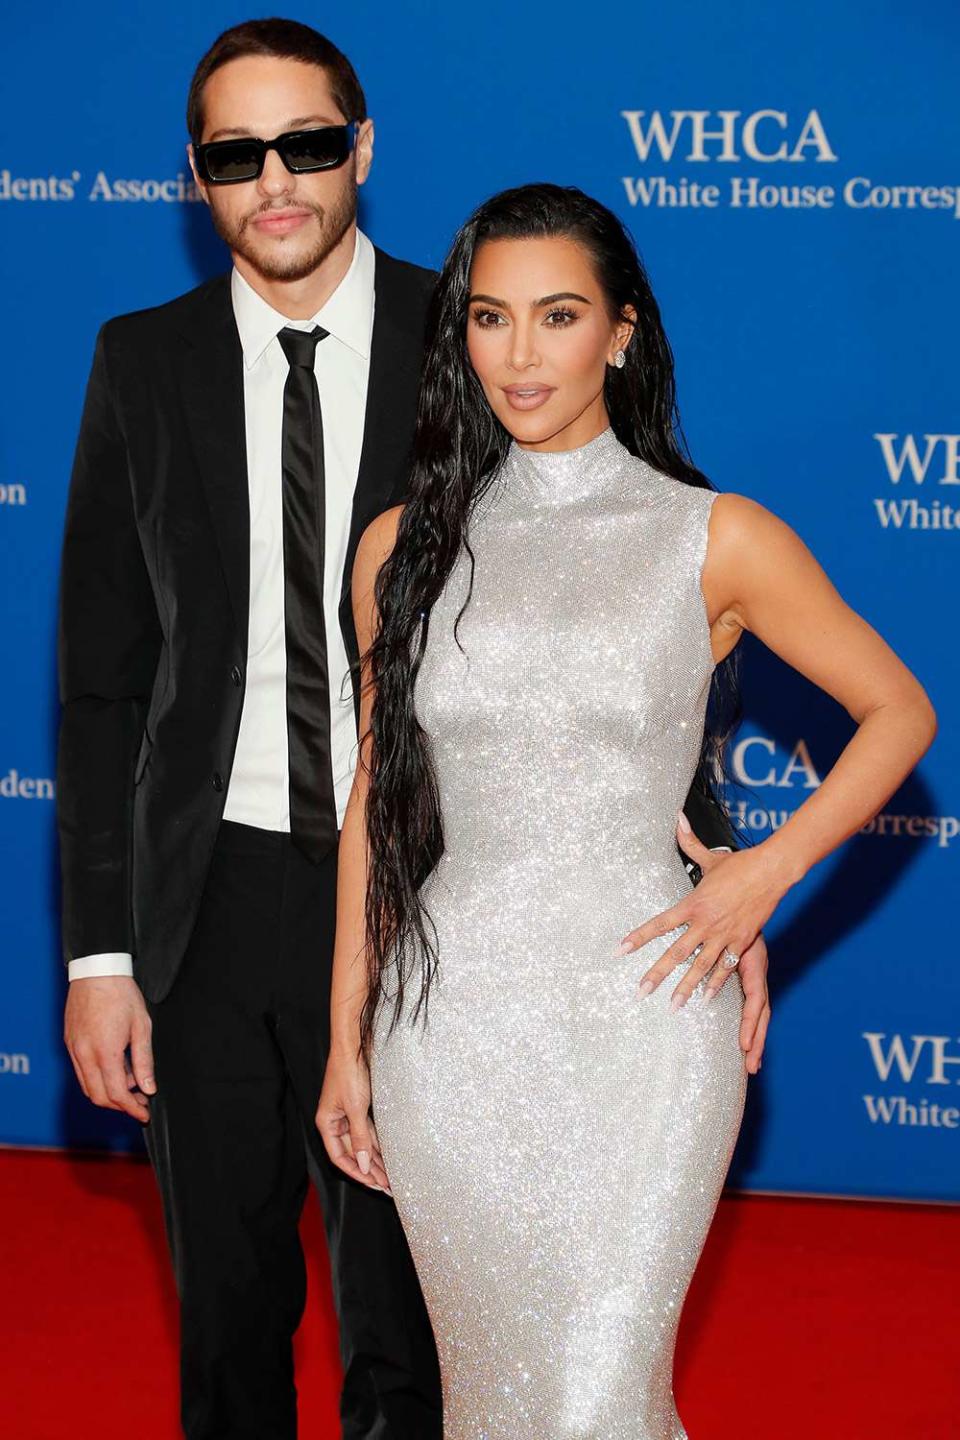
<point x="227" y="162"/>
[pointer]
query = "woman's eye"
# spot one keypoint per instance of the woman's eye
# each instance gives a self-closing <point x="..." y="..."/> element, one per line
<point x="487" y="319"/>
<point x="557" y="319"/>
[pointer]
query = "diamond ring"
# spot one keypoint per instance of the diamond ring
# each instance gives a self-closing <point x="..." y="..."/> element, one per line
<point x="730" y="960"/>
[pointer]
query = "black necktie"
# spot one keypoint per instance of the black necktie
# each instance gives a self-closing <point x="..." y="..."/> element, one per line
<point x="313" y="811"/>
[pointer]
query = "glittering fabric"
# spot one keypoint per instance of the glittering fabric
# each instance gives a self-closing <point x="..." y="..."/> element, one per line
<point x="556" y="1146"/>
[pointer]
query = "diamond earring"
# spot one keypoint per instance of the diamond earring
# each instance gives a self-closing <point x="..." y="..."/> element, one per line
<point x="619" y="359"/>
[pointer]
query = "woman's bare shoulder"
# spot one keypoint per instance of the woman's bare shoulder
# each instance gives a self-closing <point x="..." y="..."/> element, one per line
<point x="747" y="546"/>
<point x="736" y="518"/>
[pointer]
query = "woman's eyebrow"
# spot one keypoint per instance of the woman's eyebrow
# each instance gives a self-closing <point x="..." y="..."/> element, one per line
<point x="565" y="295"/>
<point x="534" y="304"/>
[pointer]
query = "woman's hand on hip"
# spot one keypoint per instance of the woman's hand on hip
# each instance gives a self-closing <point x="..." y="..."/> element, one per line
<point x="722" y="916"/>
<point x="344" y="1122"/>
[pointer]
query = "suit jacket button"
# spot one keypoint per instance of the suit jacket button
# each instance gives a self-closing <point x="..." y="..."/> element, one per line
<point x="217" y="780"/>
<point x="236" y="675"/>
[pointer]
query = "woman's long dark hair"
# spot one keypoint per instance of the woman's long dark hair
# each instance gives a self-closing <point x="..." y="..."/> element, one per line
<point x="459" y="448"/>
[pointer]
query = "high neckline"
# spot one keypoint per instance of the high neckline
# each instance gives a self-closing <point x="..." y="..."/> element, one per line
<point x="558" y="477"/>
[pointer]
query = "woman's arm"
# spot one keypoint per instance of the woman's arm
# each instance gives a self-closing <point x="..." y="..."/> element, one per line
<point x="343" y="1112"/>
<point x="759" y="576"/>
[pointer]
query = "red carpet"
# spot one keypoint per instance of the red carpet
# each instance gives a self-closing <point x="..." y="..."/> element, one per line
<point x="807" y="1320"/>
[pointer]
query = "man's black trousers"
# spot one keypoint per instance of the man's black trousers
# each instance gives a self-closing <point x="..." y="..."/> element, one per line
<point x="240" y="1045"/>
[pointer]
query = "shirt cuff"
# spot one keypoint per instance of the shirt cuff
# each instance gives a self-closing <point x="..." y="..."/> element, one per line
<point x="114" y="963"/>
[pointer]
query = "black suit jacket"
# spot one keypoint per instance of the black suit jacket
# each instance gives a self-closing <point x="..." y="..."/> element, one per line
<point x="154" y="606"/>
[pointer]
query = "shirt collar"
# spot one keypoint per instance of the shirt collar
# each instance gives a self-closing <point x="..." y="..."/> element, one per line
<point x="347" y="314"/>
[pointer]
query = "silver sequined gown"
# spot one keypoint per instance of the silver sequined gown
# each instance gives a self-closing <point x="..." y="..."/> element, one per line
<point x="557" y="1147"/>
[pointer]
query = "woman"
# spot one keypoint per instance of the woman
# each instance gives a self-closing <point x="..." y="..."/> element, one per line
<point x="541" y="624"/>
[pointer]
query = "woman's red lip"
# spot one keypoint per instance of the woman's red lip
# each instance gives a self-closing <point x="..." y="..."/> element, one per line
<point x="524" y="389"/>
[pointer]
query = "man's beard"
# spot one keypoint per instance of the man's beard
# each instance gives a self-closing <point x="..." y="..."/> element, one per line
<point x="279" y="263"/>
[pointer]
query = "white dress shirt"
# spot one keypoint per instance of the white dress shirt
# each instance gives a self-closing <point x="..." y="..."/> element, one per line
<point x="259" y="789"/>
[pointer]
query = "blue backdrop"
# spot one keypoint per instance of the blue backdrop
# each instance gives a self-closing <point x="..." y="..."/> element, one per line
<point x="791" y="175"/>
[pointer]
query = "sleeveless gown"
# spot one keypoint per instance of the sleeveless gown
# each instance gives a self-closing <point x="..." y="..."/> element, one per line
<point x="557" y="1147"/>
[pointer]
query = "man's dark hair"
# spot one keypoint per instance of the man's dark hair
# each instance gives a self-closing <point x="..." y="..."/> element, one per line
<point x="283" y="40"/>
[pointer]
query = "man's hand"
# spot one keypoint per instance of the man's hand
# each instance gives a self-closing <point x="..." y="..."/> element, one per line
<point x="104" y="1016"/>
<point x="756" y="1003"/>
<point x="753" y="966"/>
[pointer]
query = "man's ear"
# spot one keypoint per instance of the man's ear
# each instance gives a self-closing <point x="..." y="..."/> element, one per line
<point x="196" y="178"/>
<point x="364" y="151"/>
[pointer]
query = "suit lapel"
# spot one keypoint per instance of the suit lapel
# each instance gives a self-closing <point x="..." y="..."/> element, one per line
<point x="213" y="403"/>
<point x="212" y="392"/>
<point x="396" y="348"/>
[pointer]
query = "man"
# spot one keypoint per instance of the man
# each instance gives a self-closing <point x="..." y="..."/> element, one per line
<point x="234" y="445"/>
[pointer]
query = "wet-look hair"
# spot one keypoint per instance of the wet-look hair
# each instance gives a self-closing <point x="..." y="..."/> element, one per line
<point x="458" y="451"/>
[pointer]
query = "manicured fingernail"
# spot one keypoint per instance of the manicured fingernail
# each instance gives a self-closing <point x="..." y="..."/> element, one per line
<point x="645" y="989"/>
<point x="684" y="822"/>
<point x="711" y="994"/>
<point x="623" y="948"/>
<point x="677" y="1002"/>
<point x="363" y="1160"/>
<point x="149" y="1084"/>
